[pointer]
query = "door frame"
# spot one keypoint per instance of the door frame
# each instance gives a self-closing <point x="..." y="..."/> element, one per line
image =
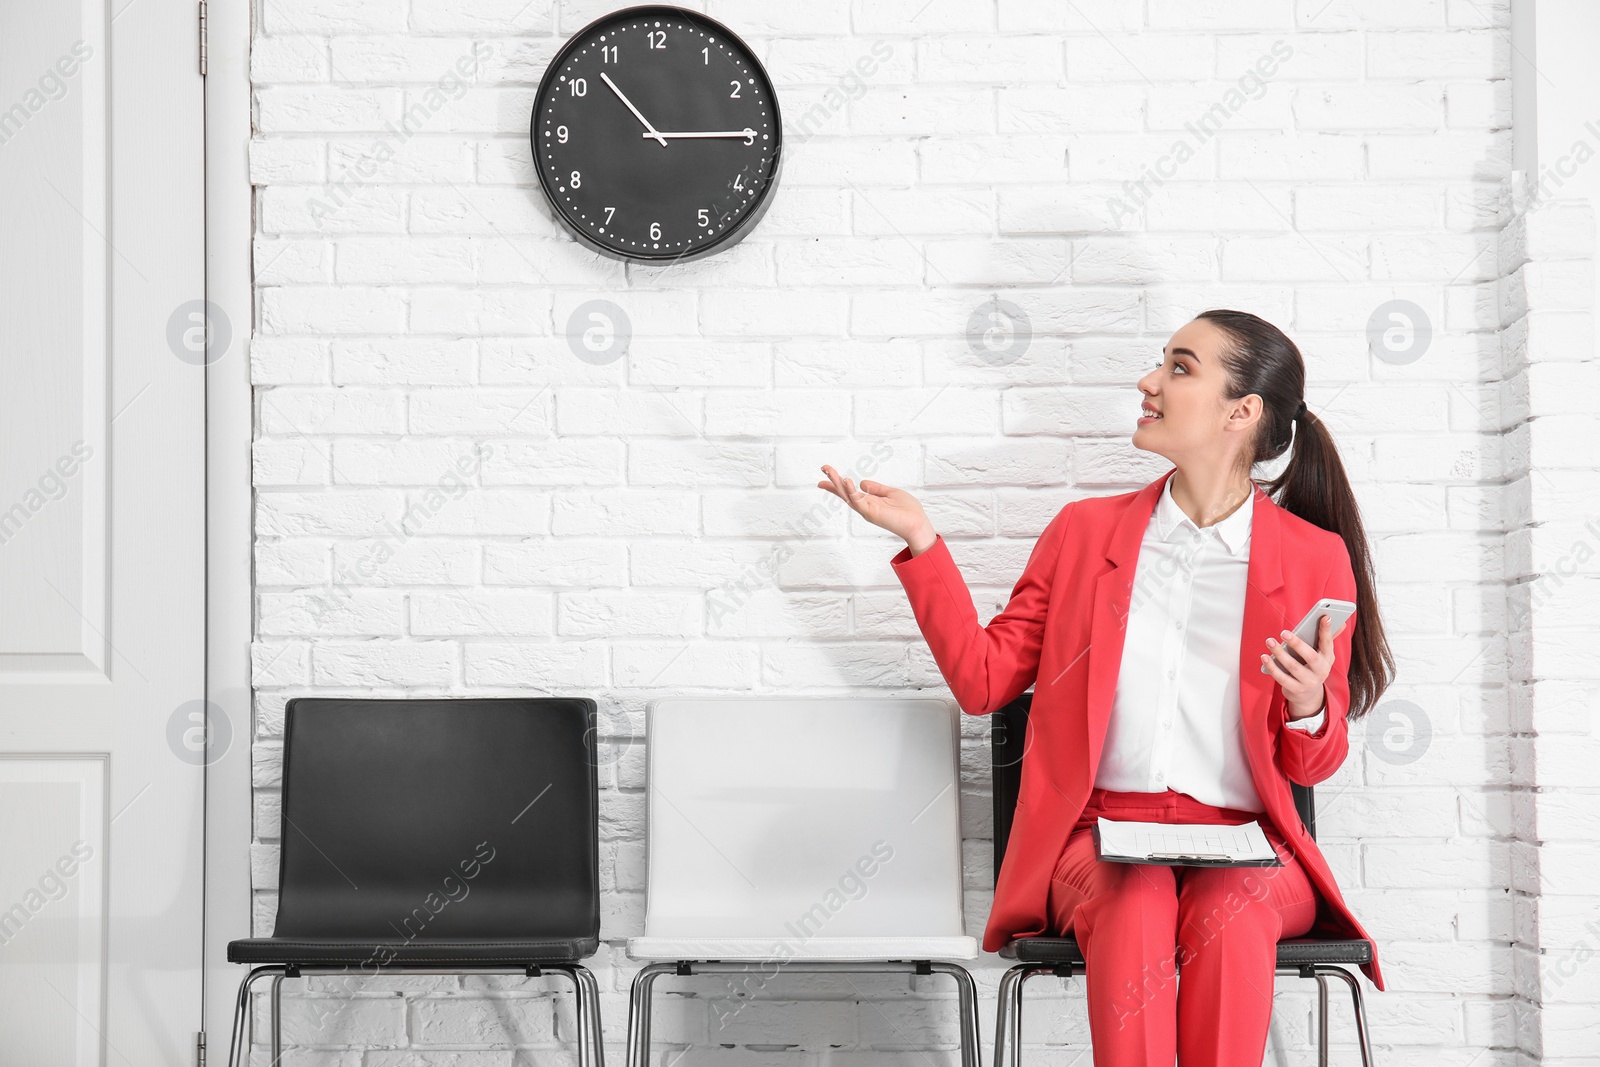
<point x="229" y="521"/>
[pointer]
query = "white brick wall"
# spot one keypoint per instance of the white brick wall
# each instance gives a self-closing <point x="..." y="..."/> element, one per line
<point x="412" y="292"/>
<point x="1552" y="537"/>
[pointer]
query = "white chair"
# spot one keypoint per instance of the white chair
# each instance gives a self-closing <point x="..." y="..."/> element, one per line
<point x="806" y="834"/>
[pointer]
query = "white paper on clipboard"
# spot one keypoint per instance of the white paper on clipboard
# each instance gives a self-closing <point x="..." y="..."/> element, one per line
<point x="1156" y="841"/>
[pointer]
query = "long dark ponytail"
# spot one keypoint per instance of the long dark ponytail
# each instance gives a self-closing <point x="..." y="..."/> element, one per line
<point x="1261" y="359"/>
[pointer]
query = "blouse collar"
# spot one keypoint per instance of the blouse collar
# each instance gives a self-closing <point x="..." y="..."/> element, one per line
<point x="1233" y="530"/>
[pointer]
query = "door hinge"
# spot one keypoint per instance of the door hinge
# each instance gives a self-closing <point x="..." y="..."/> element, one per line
<point x="200" y="1036"/>
<point x="203" y="42"/>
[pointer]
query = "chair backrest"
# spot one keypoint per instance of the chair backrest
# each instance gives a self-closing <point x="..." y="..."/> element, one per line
<point x="788" y="817"/>
<point x="439" y="818"/>
<point x="1008" y="732"/>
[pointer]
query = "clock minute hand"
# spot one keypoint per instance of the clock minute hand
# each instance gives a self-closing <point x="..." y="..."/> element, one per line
<point x="746" y="132"/>
<point x="650" y="131"/>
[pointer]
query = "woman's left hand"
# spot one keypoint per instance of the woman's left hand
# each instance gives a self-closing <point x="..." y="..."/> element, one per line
<point x="1301" y="681"/>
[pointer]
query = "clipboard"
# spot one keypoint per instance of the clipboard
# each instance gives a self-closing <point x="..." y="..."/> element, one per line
<point x="1186" y="857"/>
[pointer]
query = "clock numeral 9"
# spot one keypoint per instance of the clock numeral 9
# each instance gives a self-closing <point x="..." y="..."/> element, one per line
<point x="579" y="86"/>
<point x="655" y="231"/>
<point x="705" y="217"/>
<point x="561" y="134"/>
<point x="657" y="38"/>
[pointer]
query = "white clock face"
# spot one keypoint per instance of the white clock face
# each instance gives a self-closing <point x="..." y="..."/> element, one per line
<point x="656" y="135"/>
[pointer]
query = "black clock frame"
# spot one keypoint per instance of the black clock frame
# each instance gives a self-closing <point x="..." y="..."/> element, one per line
<point x="550" y="83"/>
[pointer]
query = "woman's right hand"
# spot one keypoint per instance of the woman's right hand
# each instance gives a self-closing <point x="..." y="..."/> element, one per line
<point x="882" y="505"/>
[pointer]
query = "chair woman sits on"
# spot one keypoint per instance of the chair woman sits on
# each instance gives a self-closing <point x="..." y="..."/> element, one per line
<point x="1154" y="627"/>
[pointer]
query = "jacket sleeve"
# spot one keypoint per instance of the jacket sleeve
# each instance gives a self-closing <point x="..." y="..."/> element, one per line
<point x="1308" y="757"/>
<point x="986" y="667"/>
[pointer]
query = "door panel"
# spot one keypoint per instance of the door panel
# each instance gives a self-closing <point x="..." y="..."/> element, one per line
<point x="101" y="533"/>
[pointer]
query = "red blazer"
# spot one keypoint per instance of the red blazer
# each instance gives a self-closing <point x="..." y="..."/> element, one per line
<point x="1062" y="632"/>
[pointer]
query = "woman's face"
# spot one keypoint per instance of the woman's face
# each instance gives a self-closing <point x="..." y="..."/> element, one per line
<point x="1186" y="389"/>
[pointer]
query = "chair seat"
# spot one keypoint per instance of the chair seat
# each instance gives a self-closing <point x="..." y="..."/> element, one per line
<point x="1291" y="951"/>
<point x="811" y="948"/>
<point x="464" y="952"/>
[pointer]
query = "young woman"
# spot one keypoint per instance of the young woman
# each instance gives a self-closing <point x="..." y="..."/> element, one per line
<point x="1155" y="628"/>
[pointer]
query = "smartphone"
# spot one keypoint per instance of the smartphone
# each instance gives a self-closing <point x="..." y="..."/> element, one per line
<point x="1338" y="610"/>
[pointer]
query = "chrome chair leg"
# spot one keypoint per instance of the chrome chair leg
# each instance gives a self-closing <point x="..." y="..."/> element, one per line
<point x="1008" y="1021"/>
<point x="967" y="992"/>
<point x="1322" y="1020"/>
<point x="1361" y="1017"/>
<point x="243" y="1020"/>
<point x="591" y="1039"/>
<point x="277" y="1020"/>
<point x="638" y="1048"/>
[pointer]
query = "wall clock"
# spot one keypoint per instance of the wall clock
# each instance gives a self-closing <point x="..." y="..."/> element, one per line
<point x="656" y="135"/>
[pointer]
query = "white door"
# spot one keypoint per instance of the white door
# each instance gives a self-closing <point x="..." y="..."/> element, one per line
<point x="101" y="532"/>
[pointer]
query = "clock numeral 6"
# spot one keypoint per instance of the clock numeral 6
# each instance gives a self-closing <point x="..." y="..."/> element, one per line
<point x="655" y="231"/>
<point x="705" y="217"/>
<point x="579" y="86"/>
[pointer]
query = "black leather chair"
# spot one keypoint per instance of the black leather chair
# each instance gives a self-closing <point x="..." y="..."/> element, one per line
<point x="1308" y="957"/>
<point x="437" y="836"/>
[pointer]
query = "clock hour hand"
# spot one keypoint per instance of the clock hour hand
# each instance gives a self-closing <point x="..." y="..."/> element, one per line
<point x="650" y="131"/>
<point x="747" y="132"/>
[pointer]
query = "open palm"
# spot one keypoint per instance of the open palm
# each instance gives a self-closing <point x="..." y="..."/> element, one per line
<point x="882" y="505"/>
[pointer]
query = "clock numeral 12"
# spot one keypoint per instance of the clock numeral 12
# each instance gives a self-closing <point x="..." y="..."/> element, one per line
<point x="657" y="38"/>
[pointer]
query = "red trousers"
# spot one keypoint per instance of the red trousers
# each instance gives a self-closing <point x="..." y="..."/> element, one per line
<point x="1142" y="926"/>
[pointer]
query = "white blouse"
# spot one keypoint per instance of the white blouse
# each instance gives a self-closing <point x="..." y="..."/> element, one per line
<point x="1175" y="717"/>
